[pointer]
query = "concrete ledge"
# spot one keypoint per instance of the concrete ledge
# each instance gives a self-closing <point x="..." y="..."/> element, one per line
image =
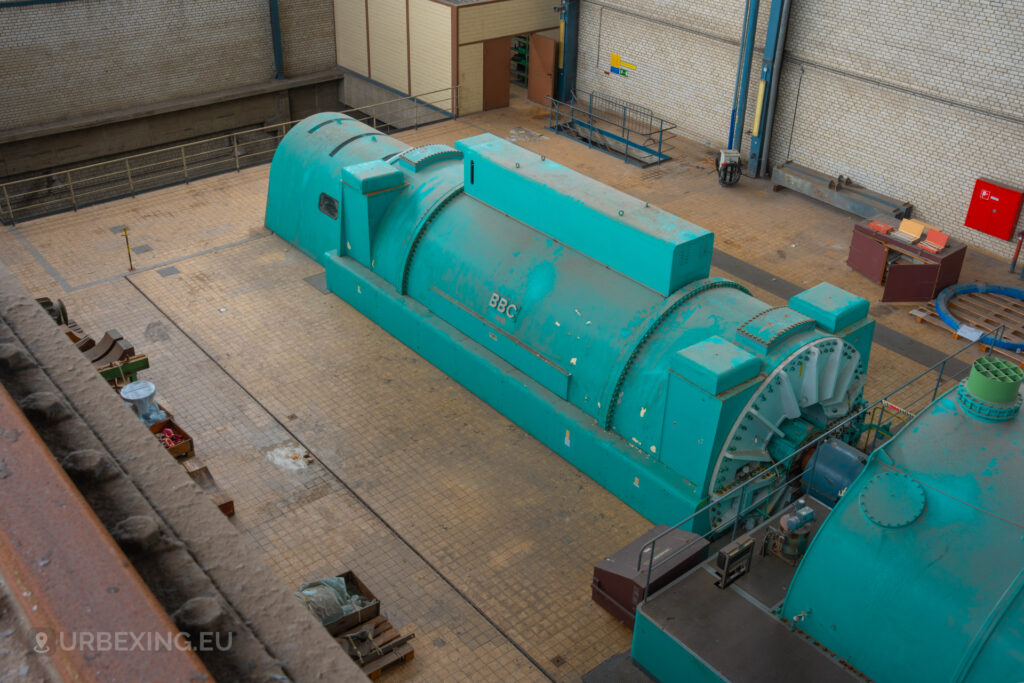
<point x="271" y="626"/>
<point x="93" y="120"/>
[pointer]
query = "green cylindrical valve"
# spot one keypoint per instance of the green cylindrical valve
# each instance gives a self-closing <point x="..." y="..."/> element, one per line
<point x="994" y="380"/>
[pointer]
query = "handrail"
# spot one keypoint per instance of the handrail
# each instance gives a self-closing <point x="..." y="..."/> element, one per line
<point x="189" y="160"/>
<point x="590" y="115"/>
<point x="562" y="114"/>
<point x="740" y="490"/>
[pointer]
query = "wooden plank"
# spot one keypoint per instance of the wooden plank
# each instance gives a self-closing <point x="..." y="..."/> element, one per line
<point x="385" y="647"/>
<point x="928" y="314"/>
<point x="402" y="653"/>
<point x="1013" y="316"/>
<point x="976" y="314"/>
<point x="368" y="650"/>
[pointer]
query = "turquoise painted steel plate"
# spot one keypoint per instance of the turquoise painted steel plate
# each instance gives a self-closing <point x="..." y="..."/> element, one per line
<point x="892" y="500"/>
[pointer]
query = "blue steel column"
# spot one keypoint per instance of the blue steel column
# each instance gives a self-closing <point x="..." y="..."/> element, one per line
<point x="739" y="103"/>
<point x="568" y="49"/>
<point x="275" y="35"/>
<point x="771" y="70"/>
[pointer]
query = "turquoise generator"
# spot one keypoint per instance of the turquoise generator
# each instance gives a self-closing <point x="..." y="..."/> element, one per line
<point x="584" y="315"/>
<point x="916" y="573"/>
<point x="929" y="540"/>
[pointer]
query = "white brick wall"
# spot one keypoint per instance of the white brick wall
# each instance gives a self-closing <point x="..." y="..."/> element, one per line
<point x="915" y="99"/>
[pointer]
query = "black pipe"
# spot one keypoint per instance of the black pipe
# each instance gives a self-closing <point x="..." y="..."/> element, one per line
<point x="275" y="34"/>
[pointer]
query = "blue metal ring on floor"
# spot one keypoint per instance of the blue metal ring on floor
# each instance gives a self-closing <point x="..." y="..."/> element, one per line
<point x="953" y="291"/>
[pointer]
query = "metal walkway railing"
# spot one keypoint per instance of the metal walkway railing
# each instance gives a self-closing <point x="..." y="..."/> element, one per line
<point x="616" y="126"/>
<point x="745" y="508"/>
<point x="71" y="189"/>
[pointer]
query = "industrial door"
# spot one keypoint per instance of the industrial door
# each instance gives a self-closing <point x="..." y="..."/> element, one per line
<point x="540" y="83"/>
<point x="497" y="54"/>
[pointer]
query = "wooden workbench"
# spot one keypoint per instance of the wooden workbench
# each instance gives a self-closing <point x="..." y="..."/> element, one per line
<point x="908" y="272"/>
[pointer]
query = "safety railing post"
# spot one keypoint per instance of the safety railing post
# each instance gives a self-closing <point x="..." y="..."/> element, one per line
<point x="128" y="172"/>
<point x="938" y="380"/>
<point x="739" y="508"/>
<point x="184" y="163"/>
<point x="234" y="145"/>
<point x="650" y="569"/>
<point x="999" y="337"/>
<point x="71" y="189"/>
<point x="10" y="209"/>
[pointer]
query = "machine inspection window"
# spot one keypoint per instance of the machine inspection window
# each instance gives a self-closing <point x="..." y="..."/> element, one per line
<point x="329" y="205"/>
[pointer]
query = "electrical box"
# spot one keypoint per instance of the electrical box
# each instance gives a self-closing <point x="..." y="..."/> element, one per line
<point x="994" y="209"/>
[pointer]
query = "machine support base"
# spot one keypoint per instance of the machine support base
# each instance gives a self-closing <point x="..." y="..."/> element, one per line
<point x="647" y="486"/>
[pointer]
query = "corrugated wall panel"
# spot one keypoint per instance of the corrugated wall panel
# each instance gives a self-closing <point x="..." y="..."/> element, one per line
<point x="350" y="35"/>
<point x="511" y="17"/>
<point x="389" y="58"/>
<point x="430" y="49"/>
<point x="471" y="77"/>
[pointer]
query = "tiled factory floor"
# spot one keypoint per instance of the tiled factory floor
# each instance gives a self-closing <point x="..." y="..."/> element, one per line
<point x="345" y="450"/>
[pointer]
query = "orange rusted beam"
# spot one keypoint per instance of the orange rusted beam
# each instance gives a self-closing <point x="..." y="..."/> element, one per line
<point x="76" y="588"/>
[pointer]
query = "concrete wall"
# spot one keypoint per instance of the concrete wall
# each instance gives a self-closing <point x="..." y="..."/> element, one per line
<point x="307" y="34"/>
<point x="75" y="59"/>
<point x="914" y="99"/>
<point x="151" y="67"/>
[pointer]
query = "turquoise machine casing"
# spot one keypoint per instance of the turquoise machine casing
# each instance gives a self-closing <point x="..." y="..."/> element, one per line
<point x="917" y="573"/>
<point x="581" y="313"/>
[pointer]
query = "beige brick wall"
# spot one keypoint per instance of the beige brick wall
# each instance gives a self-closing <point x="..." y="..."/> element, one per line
<point x="73" y="59"/>
<point x="914" y="99"/>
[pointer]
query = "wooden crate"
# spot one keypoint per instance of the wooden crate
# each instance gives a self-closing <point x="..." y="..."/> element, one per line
<point x="181" y="450"/>
<point x="350" y="621"/>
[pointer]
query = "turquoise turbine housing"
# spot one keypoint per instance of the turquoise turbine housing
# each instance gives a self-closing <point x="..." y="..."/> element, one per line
<point x="918" y="572"/>
<point x="581" y="313"/>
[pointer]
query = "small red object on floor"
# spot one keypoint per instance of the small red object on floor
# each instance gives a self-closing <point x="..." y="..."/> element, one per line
<point x="994" y="209"/>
